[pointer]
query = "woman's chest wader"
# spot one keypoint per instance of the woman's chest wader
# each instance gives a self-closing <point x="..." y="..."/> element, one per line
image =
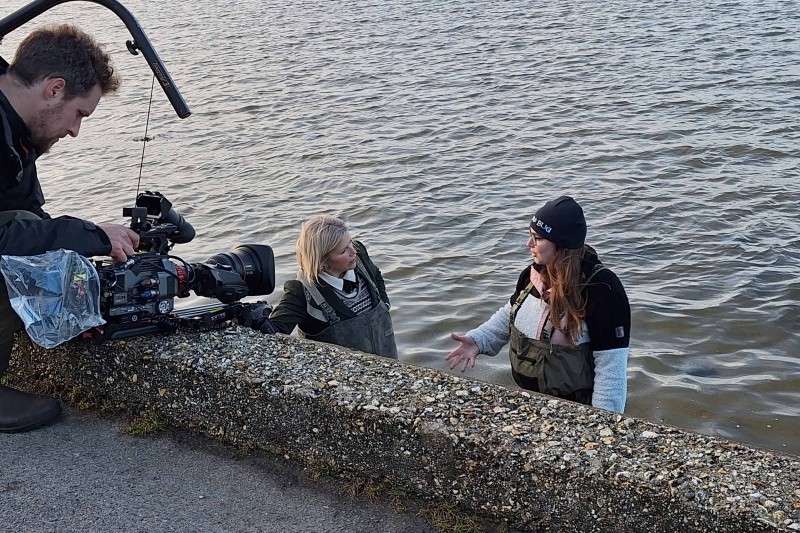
<point x="563" y="371"/>
<point x="370" y="332"/>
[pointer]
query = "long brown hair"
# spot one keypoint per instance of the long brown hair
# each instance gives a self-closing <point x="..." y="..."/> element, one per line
<point x="562" y="276"/>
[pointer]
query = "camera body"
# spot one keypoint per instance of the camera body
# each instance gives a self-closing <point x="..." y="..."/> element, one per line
<point x="138" y="296"/>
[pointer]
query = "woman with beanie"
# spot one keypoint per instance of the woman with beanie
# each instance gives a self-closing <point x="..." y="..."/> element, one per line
<point x="339" y="296"/>
<point x="568" y="320"/>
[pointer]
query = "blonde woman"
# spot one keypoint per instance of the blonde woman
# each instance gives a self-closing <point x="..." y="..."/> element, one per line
<point x="339" y="296"/>
<point x="568" y="320"/>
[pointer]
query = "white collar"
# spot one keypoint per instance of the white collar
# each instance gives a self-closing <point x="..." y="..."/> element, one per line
<point x="337" y="283"/>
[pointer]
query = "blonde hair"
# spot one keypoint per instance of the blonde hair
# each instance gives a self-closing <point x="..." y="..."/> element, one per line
<point x="319" y="235"/>
<point x="562" y="276"/>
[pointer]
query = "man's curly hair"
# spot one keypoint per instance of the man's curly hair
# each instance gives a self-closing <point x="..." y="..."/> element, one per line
<point x="64" y="51"/>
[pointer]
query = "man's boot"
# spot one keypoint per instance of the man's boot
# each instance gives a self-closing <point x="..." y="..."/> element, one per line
<point x="21" y="411"/>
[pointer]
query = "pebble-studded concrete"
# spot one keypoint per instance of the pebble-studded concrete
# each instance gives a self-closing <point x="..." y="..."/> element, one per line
<point x="541" y="464"/>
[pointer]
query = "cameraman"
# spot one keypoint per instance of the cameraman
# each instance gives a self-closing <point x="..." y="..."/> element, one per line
<point x="56" y="80"/>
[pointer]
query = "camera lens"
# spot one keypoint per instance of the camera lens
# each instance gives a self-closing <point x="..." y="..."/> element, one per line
<point x="255" y="264"/>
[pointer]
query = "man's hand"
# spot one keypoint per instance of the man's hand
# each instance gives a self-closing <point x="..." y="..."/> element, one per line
<point x="123" y="241"/>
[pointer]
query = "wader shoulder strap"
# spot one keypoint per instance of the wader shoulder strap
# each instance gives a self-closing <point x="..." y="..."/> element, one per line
<point x="548" y="327"/>
<point x="597" y="268"/>
<point x="328" y="314"/>
<point x="361" y="269"/>
<point x="521" y="298"/>
<point x="311" y="291"/>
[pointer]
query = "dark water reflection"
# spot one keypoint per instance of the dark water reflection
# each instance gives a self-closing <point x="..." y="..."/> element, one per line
<point x="437" y="128"/>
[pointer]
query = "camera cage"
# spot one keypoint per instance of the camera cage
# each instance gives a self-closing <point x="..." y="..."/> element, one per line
<point x="137" y="296"/>
<point x="159" y="226"/>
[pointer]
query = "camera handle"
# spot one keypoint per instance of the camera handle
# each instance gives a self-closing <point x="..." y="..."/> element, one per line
<point x="138" y="217"/>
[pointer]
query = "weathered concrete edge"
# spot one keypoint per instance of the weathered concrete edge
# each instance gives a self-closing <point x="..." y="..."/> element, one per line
<point x="539" y="463"/>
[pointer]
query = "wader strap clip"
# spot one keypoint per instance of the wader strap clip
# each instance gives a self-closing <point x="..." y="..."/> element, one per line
<point x="361" y="269"/>
<point x="597" y="268"/>
<point x="518" y="303"/>
<point x="312" y="292"/>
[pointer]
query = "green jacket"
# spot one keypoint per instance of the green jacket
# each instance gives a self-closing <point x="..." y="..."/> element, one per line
<point x="292" y="310"/>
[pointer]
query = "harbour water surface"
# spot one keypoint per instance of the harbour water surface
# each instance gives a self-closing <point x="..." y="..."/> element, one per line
<point x="436" y="128"/>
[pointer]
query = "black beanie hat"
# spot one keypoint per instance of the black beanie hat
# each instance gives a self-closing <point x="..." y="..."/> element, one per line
<point x="561" y="221"/>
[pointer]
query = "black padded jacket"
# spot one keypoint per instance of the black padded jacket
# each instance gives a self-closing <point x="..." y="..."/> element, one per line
<point x="20" y="190"/>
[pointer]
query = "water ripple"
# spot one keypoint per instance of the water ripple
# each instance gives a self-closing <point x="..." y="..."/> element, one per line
<point x="438" y="127"/>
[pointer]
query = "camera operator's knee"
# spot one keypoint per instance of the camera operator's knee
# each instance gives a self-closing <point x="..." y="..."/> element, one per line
<point x="8" y="216"/>
<point x="10" y="323"/>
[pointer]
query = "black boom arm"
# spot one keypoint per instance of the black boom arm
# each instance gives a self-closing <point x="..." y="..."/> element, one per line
<point x="140" y="42"/>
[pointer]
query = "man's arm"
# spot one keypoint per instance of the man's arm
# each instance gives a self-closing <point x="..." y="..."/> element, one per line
<point x="32" y="237"/>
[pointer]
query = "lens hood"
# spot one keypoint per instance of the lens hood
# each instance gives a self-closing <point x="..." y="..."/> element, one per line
<point x="255" y="263"/>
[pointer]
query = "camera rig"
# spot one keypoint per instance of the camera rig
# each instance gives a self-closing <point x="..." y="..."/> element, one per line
<point x="137" y="297"/>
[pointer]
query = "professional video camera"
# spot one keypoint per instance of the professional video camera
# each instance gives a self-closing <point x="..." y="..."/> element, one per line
<point x="137" y="297"/>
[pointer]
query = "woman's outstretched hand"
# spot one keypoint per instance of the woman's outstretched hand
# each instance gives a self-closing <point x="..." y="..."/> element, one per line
<point x="465" y="354"/>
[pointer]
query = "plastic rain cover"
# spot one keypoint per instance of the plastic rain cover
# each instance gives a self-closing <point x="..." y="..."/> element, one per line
<point x="56" y="294"/>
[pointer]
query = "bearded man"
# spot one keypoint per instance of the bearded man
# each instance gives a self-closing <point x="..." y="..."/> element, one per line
<point x="56" y="80"/>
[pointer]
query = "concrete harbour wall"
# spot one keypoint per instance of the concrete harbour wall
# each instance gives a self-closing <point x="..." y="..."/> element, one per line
<point x="538" y="463"/>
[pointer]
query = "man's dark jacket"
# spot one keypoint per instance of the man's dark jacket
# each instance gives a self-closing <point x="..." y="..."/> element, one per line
<point x="20" y="190"/>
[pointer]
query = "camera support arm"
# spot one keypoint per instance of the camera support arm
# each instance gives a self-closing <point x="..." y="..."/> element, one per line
<point x="140" y="42"/>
